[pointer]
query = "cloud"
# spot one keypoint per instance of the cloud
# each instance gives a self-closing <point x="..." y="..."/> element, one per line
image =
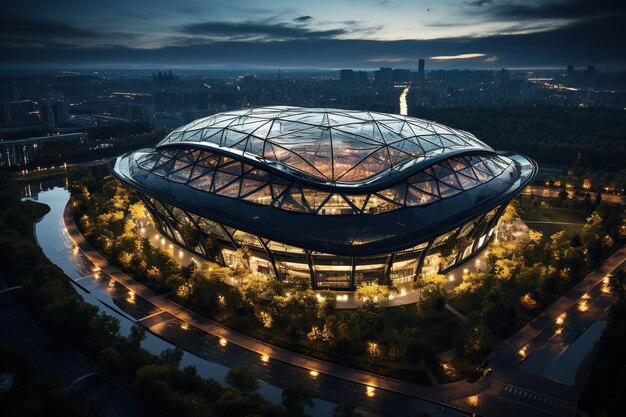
<point x="46" y="33"/>
<point x="574" y="9"/>
<point x="258" y="31"/>
<point x="453" y="57"/>
<point x="303" y="18"/>
<point x="478" y="3"/>
<point x="492" y="59"/>
<point x="598" y="41"/>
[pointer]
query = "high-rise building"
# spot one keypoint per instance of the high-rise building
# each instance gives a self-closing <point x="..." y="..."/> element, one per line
<point x="346" y="76"/>
<point x="401" y="75"/>
<point x="591" y="70"/>
<point x="361" y="78"/>
<point x="54" y="112"/>
<point x="420" y="69"/>
<point x="43" y="149"/>
<point x="8" y="92"/>
<point x="17" y="113"/>
<point x="383" y="76"/>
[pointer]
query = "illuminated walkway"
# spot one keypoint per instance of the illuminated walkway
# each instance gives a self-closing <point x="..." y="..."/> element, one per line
<point x="497" y="393"/>
<point x="345" y="299"/>
<point x="159" y="310"/>
<point x="525" y="380"/>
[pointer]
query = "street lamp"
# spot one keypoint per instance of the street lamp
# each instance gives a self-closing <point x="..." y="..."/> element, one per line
<point x="473" y="401"/>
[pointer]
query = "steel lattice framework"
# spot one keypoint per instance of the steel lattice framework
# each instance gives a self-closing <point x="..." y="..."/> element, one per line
<point x="343" y="197"/>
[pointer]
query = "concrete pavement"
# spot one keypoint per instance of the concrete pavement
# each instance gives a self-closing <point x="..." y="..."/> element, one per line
<point x="167" y="308"/>
<point x="495" y="393"/>
<point x="523" y="381"/>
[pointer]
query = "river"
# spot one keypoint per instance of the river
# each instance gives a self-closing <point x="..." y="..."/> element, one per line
<point x="97" y="290"/>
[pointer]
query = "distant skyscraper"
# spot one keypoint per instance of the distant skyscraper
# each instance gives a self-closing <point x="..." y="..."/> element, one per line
<point x="8" y="92"/>
<point x="54" y="112"/>
<point x="361" y="78"/>
<point x="383" y="76"/>
<point x="420" y="69"/>
<point x="346" y="76"/>
<point x="570" y="69"/>
<point x="401" y="75"/>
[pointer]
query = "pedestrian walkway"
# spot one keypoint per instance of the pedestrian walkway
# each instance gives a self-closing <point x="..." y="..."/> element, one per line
<point x="163" y="306"/>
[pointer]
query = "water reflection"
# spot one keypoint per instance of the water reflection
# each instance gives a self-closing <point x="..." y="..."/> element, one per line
<point x="212" y="356"/>
<point x="99" y="289"/>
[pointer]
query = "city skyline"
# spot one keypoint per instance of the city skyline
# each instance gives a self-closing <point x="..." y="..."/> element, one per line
<point x="483" y="34"/>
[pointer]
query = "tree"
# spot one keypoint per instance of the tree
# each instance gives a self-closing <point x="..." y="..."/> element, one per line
<point x="593" y="227"/>
<point x="295" y="398"/>
<point x="373" y="292"/>
<point x="511" y="213"/>
<point x="433" y="292"/>
<point x="342" y="410"/>
<point x="242" y="379"/>
<point x="138" y="211"/>
<point x="617" y="283"/>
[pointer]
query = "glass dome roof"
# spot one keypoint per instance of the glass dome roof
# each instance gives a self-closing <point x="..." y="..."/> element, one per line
<point x="329" y="145"/>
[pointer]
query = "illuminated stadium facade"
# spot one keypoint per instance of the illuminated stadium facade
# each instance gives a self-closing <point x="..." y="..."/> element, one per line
<point x="338" y="196"/>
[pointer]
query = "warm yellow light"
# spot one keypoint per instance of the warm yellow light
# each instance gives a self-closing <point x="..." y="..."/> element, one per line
<point x="582" y="306"/>
<point x="465" y="271"/>
<point x="561" y="318"/>
<point x="265" y="358"/>
<point x="522" y="352"/>
<point x="451" y="278"/>
<point x="314" y="374"/>
<point x="184" y="325"/>
<point x="370" y="391"/>
<point x="473" y="400"/>
<point x="223" y="342"/>
<point x="558" y="331"/>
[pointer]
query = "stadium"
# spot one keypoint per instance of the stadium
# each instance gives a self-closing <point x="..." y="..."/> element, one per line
<point x="340" y="197"/>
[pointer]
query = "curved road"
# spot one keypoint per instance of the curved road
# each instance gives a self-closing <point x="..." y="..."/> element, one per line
<point x="373" y="394"/>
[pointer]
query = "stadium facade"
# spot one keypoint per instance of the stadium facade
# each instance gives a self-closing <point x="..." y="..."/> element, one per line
<point x="338" y="196"/>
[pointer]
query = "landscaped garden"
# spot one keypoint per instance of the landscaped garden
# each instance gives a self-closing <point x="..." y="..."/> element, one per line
<point x="402" y="342"/>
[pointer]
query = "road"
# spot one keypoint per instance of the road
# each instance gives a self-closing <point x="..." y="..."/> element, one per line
<point x="373" y="394"/>
<point x="526" y="379"/>
<point x="533" y="190"/>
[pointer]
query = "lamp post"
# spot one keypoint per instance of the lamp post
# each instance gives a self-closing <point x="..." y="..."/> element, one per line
<point x="473" y="401"/>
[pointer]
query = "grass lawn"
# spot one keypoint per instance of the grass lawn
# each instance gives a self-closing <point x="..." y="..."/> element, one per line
<point x="551" y="220"/>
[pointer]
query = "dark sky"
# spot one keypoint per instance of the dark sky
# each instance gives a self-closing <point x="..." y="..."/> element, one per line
<point x="312" y="34"/>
